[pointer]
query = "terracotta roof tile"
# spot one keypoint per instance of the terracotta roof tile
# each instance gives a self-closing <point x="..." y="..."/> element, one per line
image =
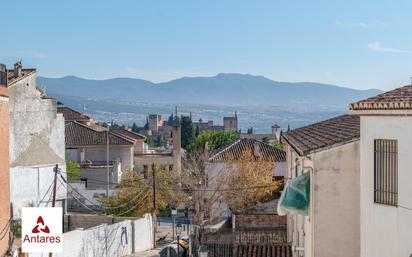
<point x="338" y="130"/>
<point x="78" y="134"/>
<point x="11" y="77"/>
<point x="397" y="99"/>
<point x="72" y="115"/>
<point x="129" y="134"/>
<point x="237" y="149"/>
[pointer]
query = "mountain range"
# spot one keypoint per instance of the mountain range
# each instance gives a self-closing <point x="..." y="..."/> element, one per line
<point x="223" y="89"/>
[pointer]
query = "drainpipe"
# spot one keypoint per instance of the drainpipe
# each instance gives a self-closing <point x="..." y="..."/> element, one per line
<point x="307" y="164"/>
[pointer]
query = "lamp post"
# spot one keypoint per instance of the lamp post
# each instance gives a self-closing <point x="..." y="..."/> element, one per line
<point x="174" y="213"/>
<point x="178" y="232"/>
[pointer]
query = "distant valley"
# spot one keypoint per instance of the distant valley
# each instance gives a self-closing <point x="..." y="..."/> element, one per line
<point x="258" y="100"/>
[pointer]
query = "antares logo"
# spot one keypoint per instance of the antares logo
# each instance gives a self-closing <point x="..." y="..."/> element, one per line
<point x="42" y="229"/>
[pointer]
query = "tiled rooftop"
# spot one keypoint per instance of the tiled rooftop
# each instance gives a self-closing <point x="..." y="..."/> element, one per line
<point x="338" y="130"/>
<point x="238" y="148"/>
<point x="78" y="134"/>
<point x="129" y="134"/>
<point x="72" y="115"/>
<point x="11" y="77"/>
<point x="397" y="99"/>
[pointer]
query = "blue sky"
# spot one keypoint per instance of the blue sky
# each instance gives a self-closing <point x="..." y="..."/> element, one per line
<point x="358" y="44"/>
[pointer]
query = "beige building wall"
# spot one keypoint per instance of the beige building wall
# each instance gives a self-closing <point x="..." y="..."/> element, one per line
<point x="332" y="226"/>
<point x="386" y="230"/>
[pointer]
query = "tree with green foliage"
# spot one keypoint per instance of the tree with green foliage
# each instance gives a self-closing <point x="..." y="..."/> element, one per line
<point x="186" y="131"/>
<point x="278" y="145"/>
<point x="134" y="196"/>
<point x="72" y="170"/>
<point x="146" y="126"/>
<point x="170" y="120"/>
<point x="149" y="141"/>
<point x="135" y="128"/>
<point x="197" y="133"/>
<point x="213" y="139"/>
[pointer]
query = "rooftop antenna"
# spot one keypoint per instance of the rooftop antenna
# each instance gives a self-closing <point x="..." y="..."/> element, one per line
<point x="83" y="109"/>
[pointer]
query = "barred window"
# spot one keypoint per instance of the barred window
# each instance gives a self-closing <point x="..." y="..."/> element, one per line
<point x="386" y="172"/>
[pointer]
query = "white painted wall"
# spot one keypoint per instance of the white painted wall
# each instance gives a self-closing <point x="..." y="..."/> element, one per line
<point x="115" y="240"/>
<point x="99" y="154"/>
<point x="148" y="159"/>
<point x="30" y="184"/>
<point x="332" y="225"/>
<point x="386" y="230"/>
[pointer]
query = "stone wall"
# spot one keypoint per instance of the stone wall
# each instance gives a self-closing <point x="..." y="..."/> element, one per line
<point x="258" y="220"/>
<point x="36" y="144"/>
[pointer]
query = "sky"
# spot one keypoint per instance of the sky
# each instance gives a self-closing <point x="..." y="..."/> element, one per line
<point x="356" y="44"/>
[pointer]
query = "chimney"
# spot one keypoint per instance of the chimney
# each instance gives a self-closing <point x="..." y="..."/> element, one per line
<point x="177" y="147"/>
<point x="275" y="129"/>
<point x="256" y="150"/>
<point x="17" y="69"/>
<point x="3" y="75"/>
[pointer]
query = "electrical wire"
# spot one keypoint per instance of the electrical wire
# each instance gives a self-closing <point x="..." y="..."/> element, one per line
<point x="224" y="189"/>
<point x="133" y="207"/>
<point x="51" y="184"/>
<point x="79" y="201"/>
<point x="103" y="206"/>
<point x="4" y="230"/>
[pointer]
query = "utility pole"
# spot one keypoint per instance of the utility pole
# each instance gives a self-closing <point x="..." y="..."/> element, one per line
<point x="56" y="170"/>
<point x="107" y="161"/>
<point x="154" y="204"/>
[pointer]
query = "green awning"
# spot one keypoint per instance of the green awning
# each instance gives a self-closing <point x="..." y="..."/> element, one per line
<point x="295" y="197"/>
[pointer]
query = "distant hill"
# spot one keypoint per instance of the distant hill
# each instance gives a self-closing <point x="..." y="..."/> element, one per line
<point x="222" y="89"/>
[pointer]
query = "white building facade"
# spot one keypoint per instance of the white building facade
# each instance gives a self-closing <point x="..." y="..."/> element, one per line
<point x="36" y="142"/>
<point x="329" y="152"/>
<point x="385" y="181"/>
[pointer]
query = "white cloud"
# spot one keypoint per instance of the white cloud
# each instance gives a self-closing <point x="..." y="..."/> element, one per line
<point x="351" y="25"/>
<point x="361" y="25"/>
<point x="378" y="47"/>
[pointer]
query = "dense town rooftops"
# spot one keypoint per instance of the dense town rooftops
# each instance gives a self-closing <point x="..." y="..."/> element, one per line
<point x="238" y="148"/>
<point x="78" y="134"/>
<point x="72" y="115"/>
<point x="339" y="130"/>
<point x="397" y="99"/>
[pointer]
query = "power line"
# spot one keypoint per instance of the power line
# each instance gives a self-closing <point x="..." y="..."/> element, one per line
<point x="222" y="190"/>
<point x="103" y="206"/>
<point x="4" y="230"/>
<point x="51" y="184"/>
<point x="79" y="201"/>
<point x="141" y="200"/>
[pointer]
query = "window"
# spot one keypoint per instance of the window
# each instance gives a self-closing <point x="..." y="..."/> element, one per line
<point x="386" y="172"/>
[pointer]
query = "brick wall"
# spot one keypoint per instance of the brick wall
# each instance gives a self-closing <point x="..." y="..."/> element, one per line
<point x="4" y="170"/>
<point x="258" y="220"/>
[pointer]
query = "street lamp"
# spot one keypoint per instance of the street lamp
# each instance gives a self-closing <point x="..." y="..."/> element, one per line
<point x="202" y="251"/>
<point x="178" y="232"/>
<point x="174" y="213"/>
